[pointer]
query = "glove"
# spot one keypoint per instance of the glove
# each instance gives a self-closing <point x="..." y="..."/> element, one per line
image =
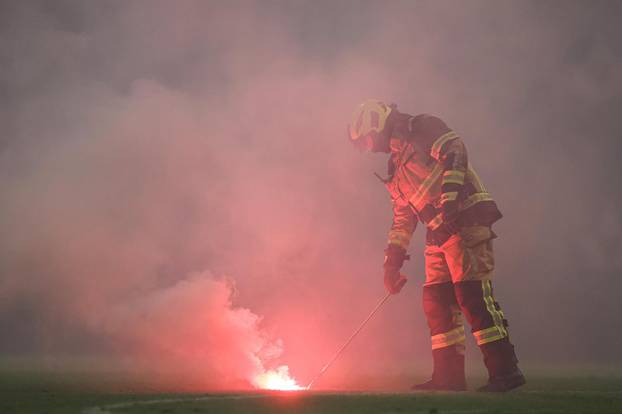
<point x="394" y="281"/>
<point x="393" y="261"/>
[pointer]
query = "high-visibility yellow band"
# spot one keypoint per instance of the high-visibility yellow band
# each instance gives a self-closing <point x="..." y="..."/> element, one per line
<point x="401" y="238"/>
<point x="497" y="315"/>
<point x="436" y="222"/>
<point x="449" y="338"/>
<point x="435" y="152"/>
<point x="474" y="199"/>
<point x="477" y="181"/>
<point x="489" y="335"/>
<point x="419" y="196"/>
<point x="449" y="196"/>
<point x="453" y="176"/>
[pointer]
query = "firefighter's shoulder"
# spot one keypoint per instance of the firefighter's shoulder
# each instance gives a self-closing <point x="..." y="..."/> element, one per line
<point x="427" y="124"/>
<point x="427" y="129"/>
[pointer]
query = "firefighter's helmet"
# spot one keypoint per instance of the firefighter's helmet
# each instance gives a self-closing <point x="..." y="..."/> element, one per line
<point x="368" y="120"/>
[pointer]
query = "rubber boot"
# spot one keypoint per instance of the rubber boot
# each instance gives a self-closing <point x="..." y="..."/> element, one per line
<point x="503" y="372"/>
<point x="448" y="371"/>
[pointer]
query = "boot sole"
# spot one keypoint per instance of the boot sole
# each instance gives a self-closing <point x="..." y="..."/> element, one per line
<point x="437" y="390"/>
<point x="507" y="387"/>
<point x="432" y="389"/>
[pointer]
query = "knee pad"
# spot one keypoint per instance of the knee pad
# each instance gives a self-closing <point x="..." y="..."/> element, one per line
<point x="440" y="307"/>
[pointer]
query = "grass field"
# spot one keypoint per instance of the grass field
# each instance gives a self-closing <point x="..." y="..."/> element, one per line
<point x="50" y="394"/>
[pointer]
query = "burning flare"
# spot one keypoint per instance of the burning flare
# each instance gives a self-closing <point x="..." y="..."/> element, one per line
<point x="277" y="379"/>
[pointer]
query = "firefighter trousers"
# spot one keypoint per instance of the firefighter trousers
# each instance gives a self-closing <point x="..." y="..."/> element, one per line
<point x="458" y="281"/>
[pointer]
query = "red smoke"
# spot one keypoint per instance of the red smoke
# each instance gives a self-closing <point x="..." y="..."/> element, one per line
<point x="143" y="143"/>
<point x="192" y="329"/>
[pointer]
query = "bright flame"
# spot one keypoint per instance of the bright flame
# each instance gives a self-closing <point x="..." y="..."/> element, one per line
<point x="277" y="379"/>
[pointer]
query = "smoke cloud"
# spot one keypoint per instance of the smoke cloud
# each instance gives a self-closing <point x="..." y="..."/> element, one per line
<point x="190" y="330"/>
<point x="153" y="154"/>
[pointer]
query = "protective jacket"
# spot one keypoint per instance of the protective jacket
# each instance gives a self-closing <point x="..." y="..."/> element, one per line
<point x="429" y="167"/>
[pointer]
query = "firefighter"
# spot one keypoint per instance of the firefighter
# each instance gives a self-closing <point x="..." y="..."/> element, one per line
<point x="431" y="181"/>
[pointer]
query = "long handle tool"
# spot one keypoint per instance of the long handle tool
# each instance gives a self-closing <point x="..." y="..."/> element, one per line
<point x="378" y="306"/>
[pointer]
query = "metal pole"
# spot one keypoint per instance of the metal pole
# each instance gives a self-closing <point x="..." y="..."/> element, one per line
<point x="373" y="312"/>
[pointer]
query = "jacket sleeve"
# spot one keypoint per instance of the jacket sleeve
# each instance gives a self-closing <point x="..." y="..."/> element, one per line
<point x="449" y="150"/>
<point x="403" y="226"/>
<point x="455" y="164"/>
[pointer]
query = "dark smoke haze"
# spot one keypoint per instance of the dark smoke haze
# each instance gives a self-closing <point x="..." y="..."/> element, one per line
<point x="178" y="194"/>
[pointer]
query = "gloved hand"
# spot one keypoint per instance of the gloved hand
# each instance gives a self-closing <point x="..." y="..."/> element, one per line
<point x="394" y="282"/>
<point x="450" y="216"/>
<point x="393" y="261"/>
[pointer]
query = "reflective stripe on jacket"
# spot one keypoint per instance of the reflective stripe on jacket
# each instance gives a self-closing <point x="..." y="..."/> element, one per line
<point x="429" y="166"/>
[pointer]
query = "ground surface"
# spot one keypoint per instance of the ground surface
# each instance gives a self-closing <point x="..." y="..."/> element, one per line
<point x="30" y="394"/>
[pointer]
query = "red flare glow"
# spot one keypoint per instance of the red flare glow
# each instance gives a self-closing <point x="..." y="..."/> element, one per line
<point x="277" y="379"/>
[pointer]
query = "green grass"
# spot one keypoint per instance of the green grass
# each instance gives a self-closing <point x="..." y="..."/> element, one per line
<point x="54" y="393"/>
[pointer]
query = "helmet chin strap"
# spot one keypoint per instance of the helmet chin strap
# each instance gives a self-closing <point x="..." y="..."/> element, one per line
<point x="382" y="140"/>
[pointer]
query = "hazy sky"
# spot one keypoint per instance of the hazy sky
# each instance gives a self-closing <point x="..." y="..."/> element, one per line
<point x="157" y="157"/>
